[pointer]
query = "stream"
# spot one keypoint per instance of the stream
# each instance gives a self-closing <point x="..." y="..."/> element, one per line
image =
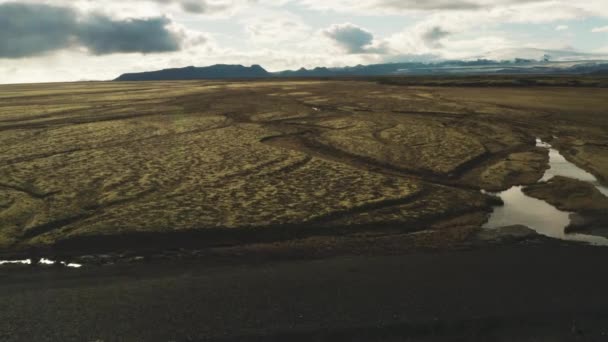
<point x="521" y="209"/>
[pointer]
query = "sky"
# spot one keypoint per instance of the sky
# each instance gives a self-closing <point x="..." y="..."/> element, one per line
<point x="72" y="40"/>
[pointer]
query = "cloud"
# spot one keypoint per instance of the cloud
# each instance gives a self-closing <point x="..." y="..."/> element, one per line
<point x="426" y="5"/>
<point x="199" y="6"/>
<point x="561" y="28"/>
<point x="194" y="6"/>
<point x="351" y="37"/>
<point x="413" y="58"/>
<point x="277" y="27"/>
<point x="521" y="11"/>
<point x="600" y="29"/>
<point x="354" y="39"/>
<point x="278" y="34"/>
<point x="432" y="37"/>
<point x="102" y="35"/>
<point x="413" y="5"/>
<point x="428" y="36"/>
<point x="34" y="29"/>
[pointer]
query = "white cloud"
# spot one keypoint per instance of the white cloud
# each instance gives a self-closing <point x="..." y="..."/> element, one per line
<point x="277" y="35"/>
<point x="277" y="27"/>
<point x="518" y="8"/>
<point x="384" y="6"/>
<point x="600" y="29"/>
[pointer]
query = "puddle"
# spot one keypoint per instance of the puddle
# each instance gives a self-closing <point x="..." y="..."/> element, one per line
<point x="47" y="262"/>
<point x="521" y="209"/>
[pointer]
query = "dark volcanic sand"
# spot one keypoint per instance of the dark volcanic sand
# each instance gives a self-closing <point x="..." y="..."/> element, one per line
<point x="553" y="292"/>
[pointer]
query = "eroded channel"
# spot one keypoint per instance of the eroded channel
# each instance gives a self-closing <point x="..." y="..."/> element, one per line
<point x="521" y="209"/>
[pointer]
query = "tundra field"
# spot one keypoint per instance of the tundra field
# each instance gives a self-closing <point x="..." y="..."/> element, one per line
<point x="134" y="166"/>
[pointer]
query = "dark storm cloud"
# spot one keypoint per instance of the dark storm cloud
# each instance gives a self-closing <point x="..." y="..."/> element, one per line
<point x="27" y="30"/>
<point x="102" y="35"/>
<point x="32" y="29"/>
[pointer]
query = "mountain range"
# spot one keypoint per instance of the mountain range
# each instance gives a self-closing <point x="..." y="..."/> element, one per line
<point x="542" y="63"/>
<point x="218" y="71"/>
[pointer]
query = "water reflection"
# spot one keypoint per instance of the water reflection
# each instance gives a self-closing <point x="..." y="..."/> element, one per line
<point x="559" y="166"/>
<point x="521" y="209"/>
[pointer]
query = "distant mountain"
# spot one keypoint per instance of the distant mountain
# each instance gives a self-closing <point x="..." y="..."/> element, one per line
<point x="472" y="67"/>
<point x="219" y="71"/>
<point x="359" y="70"/>
<point x="565" y="55"/>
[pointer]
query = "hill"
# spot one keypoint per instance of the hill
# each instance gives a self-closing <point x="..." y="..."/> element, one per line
<point x="218" y="71"/>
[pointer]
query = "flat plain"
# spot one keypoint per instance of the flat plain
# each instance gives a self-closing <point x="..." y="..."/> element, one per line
<point x="131" y="166"/>
<point x="300" y="210"/>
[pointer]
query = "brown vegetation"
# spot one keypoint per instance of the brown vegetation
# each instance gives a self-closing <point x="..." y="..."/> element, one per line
<point x="89" y="160"/>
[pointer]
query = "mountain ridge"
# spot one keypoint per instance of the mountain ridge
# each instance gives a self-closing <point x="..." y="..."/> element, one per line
<point x="217" y="71"/>
<point x="456" y="67"/>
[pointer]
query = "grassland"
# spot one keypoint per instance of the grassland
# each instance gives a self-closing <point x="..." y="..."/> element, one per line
<point x="217" y="163"/>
